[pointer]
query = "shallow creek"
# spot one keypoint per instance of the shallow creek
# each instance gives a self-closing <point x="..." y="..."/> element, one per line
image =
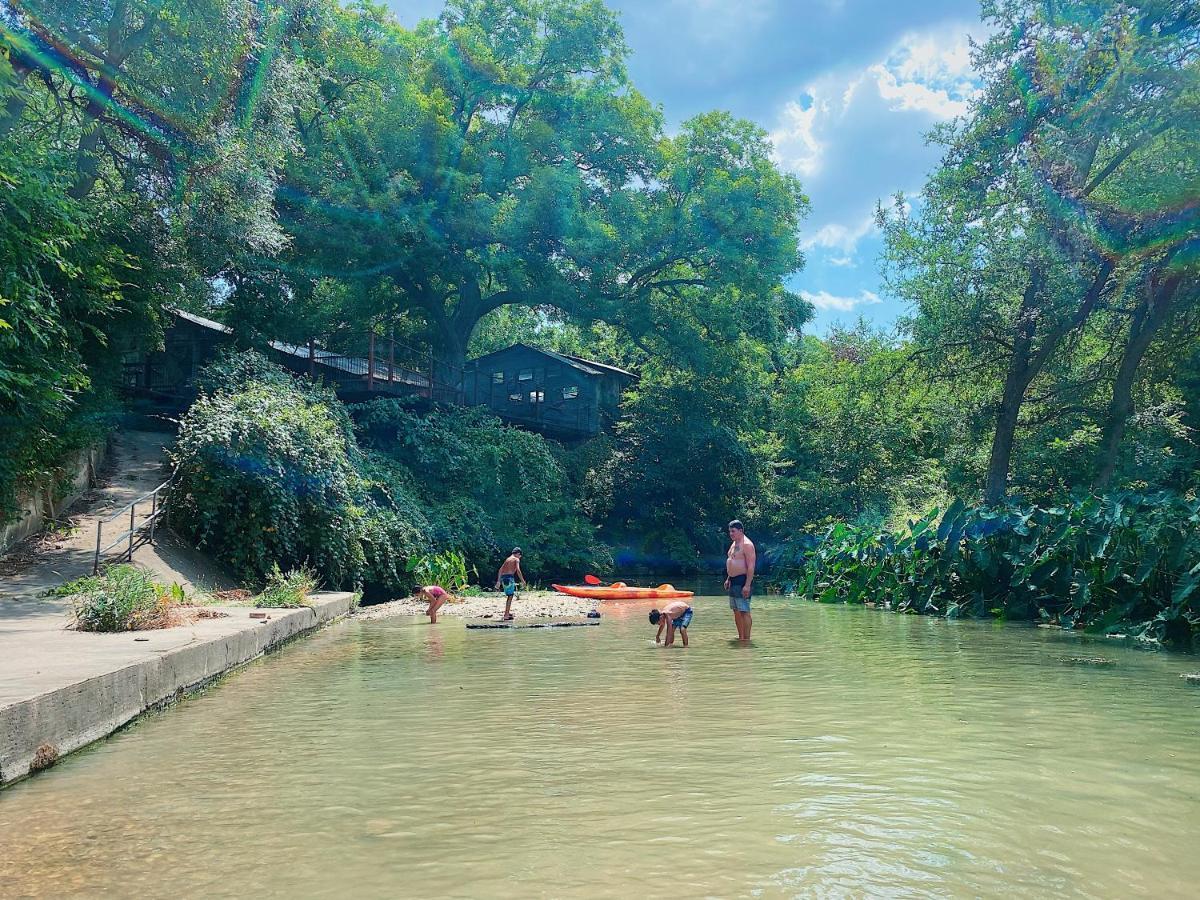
<point x="846" y="753"/>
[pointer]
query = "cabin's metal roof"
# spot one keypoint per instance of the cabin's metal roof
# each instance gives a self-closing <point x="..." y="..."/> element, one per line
<point x="587" y="366"/>
<point x="351" y="365"/>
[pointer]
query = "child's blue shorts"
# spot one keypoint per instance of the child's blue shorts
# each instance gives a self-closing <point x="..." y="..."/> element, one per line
<point x="684" y="620"/>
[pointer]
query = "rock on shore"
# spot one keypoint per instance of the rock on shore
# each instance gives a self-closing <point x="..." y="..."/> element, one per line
<point x="530" y="605"/>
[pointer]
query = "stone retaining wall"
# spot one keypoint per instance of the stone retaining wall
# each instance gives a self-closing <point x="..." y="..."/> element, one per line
<point x="42" y="501"/>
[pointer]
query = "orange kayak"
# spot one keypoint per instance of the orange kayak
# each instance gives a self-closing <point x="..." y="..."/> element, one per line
<point x="621" y="591"/>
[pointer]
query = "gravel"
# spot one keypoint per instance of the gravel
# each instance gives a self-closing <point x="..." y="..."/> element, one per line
<point x="530" y="605"/>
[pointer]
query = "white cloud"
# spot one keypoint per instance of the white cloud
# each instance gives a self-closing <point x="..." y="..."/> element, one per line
<point x="826" y="300"/>
<point x="794" y="138"/>
<point x="855" y="135"/>
<point x="835" y="236"/>
<point x="915" y="95"/>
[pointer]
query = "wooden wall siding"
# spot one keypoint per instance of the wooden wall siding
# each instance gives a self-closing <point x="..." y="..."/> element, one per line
<point x="551" y="382"/>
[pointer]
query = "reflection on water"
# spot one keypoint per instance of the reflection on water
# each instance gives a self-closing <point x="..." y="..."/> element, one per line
<point x="846" y="753"/>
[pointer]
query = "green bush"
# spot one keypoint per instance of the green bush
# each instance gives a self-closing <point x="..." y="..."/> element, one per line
<point x="270" y="474"/>
<point x="264" y="479"/>
<point x="287" y="589"/>
<point x="482" y="486"/>
<point x="123" y="598"/>
<point x="1126" y="562"/>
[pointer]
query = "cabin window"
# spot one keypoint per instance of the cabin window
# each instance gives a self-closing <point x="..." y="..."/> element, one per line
<point x="537" y="396"/>
<point x="525" y="375"/>
<point x="498" y="378"/>
<point x="570" y="392"/>
<point x="515" y="398"/>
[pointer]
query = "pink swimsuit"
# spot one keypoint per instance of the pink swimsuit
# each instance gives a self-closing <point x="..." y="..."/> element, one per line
<point x="434" y="591"/>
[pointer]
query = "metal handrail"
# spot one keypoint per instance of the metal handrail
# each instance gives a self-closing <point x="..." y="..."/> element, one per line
<point x="148" y="527"/>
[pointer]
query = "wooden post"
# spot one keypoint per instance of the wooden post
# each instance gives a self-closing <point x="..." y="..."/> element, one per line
<point x="132" y="514"/>
<point x="312" y="358"/>
<point x="96" y="560"/>
<point x="371" y="362"/>
<point x="153" y="515"/>
<point x="392" y="358"/>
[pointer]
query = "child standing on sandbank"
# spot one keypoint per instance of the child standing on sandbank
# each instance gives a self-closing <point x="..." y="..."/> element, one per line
<point x="510" y="571"/>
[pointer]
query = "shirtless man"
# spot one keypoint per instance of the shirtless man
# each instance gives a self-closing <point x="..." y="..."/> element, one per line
<point x="739" y="569"/>
<point x="510" y="571"/>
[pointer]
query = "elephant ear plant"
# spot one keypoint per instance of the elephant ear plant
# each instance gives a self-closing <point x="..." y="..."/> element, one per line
<point x="447" y="569"/>
<point x="1124" y="563"/>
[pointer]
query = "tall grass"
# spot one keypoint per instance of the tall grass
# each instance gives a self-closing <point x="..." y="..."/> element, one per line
<point x="123" y="598"/>
<point x="287" y="589"/>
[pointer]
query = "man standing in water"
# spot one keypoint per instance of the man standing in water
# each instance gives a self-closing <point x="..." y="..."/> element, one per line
<point x="739" y="569"/>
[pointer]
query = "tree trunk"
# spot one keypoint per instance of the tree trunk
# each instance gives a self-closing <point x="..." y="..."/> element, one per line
<point x="1149" y="318"/>
<point x="1016" y="380"/>
<point x="1024" y="365"/>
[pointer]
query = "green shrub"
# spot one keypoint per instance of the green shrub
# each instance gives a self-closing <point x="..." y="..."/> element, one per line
<point x="264" y="479"/>
<point x="288" y="589"/>
<point x="1126" y="562"/>
<point x="123" y="598"/>
<point x="270" y="473"/>
<point x="482" y="486"/>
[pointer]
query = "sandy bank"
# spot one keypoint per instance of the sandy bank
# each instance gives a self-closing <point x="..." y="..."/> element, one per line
<point x="531" y="605"/>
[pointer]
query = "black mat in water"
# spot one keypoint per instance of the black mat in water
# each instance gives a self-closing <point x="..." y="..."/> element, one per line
<point x="482" y="625"/>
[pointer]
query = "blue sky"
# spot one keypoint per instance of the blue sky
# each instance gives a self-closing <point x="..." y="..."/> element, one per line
<point x="847" y="89"/>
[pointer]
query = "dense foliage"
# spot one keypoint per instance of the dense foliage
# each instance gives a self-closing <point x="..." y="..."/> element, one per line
<point x="482" y="488"/>
<point x="1091" y="563"/>
<point x="272" y="474"/>
<point x="264" y="479"/>
<point x="308" y="168"/>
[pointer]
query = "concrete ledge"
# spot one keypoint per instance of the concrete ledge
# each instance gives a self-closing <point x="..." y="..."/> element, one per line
<point x="136" y="677"/>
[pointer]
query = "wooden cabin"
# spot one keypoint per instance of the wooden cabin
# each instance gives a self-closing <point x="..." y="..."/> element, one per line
<point x="190" y="342"/>
<point x="553" y="393"/>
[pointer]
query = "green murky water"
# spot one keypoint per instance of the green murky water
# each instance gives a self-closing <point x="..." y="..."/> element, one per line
<point x="846" y="753"/>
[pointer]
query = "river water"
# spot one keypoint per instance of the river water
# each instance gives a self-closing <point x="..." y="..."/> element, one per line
<point x="846" y="753"/>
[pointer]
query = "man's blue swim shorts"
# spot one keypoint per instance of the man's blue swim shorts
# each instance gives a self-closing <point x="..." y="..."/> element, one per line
<point x="736" y="600"/>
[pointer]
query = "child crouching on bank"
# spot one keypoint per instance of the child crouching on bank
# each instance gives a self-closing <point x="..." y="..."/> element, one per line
<point x="675" y="616"/>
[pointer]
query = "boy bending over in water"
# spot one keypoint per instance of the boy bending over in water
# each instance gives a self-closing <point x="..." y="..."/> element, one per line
<point x="435" y="597"/>
<point x="676" y="615"/>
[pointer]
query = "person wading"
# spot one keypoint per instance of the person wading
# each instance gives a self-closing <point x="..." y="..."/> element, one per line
<point x="739" y="580"/>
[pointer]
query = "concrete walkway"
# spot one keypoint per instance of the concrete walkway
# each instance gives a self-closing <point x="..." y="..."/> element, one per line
<point x="137" y="464"/>
<point x="62" y="688"/>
